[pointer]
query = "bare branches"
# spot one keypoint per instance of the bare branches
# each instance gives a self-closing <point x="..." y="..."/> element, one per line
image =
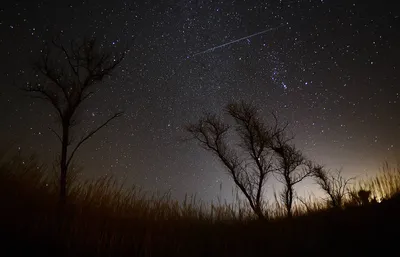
<point x="46" y="95"/>
<point x="86" y="65"/>
<point x="263" y="149"/>
<point x="64" y="75"/>
<point x="249" y="171"/>
<point x="254" y="135"/>
<point x="256" y="138"/>
<point x="65" y="87"/>
<point x="56" y="134"/>
<point x="210" y="131"/>
<point x="90" y="134"/>
<point x="333" y="184"/>
<point x="291" y="168"/>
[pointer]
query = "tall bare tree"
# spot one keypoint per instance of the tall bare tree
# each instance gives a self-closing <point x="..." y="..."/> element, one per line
<point x="66" y="76"/>
<point x="251" y="161"/>
<point x="291" y="168"/>
<point x="333" y="184"/>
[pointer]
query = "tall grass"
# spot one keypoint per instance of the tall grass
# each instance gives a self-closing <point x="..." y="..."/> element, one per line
<point x="384" y="185"/>
<point x="105" y="218"/>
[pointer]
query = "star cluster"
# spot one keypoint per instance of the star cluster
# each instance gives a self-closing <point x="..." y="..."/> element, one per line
<point x="330" y="68"/>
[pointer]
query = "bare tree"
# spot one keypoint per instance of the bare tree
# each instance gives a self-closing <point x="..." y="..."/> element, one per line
<point x="291" y="169"/>
<point x="67" y="76"/>
<point x="333" y="184"/>
<point x="251" y="161"/>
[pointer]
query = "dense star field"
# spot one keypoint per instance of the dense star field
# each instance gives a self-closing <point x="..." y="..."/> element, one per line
<point x="330" y="68"/>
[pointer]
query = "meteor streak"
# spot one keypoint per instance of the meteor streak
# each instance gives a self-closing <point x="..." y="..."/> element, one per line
<point x="237" y="40"/>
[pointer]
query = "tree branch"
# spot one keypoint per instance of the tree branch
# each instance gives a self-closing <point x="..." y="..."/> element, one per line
<point x="45" y="96"/>
<point x="71" y="65"/>
<point x="51" y="73"/>
<point x="91" y="134"/>
<point x="55" y="133"/>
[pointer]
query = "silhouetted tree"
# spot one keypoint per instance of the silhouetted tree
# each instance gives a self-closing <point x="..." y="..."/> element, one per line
<point x="333" y="184"/>
<point x="67" y="76"/>
<point x="291" y="168"/>
<point x="251" y="161"/>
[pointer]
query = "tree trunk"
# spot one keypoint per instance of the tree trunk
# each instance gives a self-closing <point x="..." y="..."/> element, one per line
<point x="63" y="164"/>
<point x="259" y="212"/>
<point x="289" y="212"/>
<point x="289" y="201"/>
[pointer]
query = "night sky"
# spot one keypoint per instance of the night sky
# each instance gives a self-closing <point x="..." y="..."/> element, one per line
<point x="330" y="68"/>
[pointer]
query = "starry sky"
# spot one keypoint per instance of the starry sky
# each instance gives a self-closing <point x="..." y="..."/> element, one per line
<point x="329" y="67"/>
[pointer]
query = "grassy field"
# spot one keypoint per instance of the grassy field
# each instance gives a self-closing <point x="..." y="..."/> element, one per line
<point x="103" y="218"/>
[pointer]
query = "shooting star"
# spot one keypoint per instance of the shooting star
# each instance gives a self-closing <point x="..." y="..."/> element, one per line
<point x="237" y="40"/>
